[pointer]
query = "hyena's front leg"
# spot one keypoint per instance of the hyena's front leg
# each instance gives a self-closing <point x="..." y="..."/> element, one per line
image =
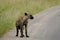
<point x="26" y="30"/>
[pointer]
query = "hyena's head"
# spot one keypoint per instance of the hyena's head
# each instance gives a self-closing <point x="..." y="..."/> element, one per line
<point x="29" y="16"/>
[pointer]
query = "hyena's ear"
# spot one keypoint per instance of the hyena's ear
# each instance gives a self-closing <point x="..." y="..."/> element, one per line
<point x="25" y="14"/>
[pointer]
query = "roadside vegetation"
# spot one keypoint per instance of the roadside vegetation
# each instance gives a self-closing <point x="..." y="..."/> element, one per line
<point x="11" y="9"/>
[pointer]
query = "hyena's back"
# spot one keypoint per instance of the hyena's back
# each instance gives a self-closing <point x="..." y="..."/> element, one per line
<point x="21" y="21"/>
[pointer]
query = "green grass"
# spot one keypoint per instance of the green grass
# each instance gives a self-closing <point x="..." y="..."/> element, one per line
<point x="11" y="9"/>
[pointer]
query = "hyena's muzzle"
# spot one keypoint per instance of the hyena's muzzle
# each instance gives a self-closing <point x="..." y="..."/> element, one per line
<point x="21" y="22"/>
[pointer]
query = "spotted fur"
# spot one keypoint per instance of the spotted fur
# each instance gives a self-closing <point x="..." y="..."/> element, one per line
<point x="21" y="22"/>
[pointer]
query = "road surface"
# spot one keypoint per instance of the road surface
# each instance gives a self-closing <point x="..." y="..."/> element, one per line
<point x="45" y="26"/>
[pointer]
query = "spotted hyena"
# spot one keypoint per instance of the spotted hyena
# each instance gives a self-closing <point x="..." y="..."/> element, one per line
<point x="21" y="23"/>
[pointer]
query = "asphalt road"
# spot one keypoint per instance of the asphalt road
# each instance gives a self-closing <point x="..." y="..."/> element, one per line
<point x="45" y="26"/>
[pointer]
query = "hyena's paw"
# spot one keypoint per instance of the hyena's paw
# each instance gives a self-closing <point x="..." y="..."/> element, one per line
<point x="27" y="36"/>
<point x="16" y="35"/>
<point x="22" y="36"/>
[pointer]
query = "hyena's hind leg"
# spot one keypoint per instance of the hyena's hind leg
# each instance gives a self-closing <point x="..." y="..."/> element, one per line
<point x="17" y="31"/>
<point x="21" y="31"/>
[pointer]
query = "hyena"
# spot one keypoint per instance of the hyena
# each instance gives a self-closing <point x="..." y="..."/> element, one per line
<point x="21" y="23"/>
